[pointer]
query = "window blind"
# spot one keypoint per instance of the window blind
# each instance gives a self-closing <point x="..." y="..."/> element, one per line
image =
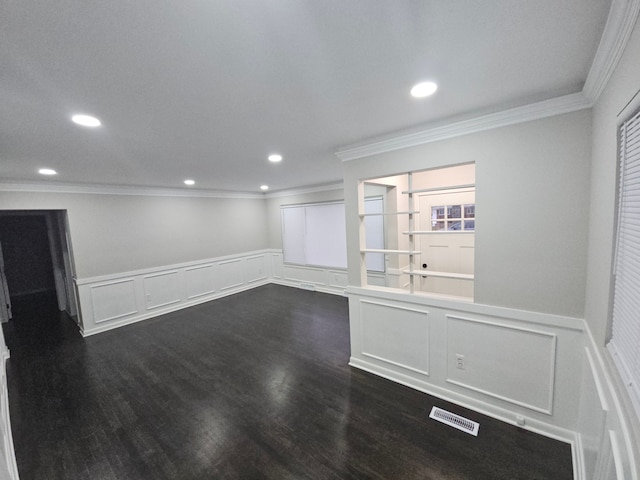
<point x="625" y="334"/>
<point x="315" y="235"/>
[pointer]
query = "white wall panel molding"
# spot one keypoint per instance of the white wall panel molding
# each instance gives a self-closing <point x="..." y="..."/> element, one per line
<point x="200" y="280"/>
<point x="256" y="268"/>
<point x="8" y="465"/>
<point x="607" y="430"/>
<point x="488" y="408"/>
<point x="116" y="300"/>
<point x="459" y="305"/>
<point x="275" y="264"/>
<point x="515" y="363"/>
<point x="231" y="274"/>
<point x="395" y="335"/>
<point x="497" y="357"/>
<point x="176" y="266"/>
<point x="112" y="300"/>
<point x="161" y="289"/>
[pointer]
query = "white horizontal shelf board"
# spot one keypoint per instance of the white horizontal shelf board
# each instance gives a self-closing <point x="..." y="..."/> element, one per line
<point x="435" y="232"/>
<point x="413" y="212"/>
<point x="430" y="273"/>
<point x="440" y="189"/>
<point x="383" y="250"/>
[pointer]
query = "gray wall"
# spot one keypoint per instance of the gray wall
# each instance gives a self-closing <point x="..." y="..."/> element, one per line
<point x="532" y="196"/>
<point x="120" y="233"/>
<point x="623" y="85"/>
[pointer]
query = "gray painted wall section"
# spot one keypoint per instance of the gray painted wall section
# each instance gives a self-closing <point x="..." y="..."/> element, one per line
<point x="532" y="195"/>
<point x="121" y="233"/>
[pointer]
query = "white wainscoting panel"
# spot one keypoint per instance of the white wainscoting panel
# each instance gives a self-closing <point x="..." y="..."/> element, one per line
<point x="395" y="335"/>
<point x="327" y="280"/>
<point x="161" y="289"/>
<point x="200" y="280"/>
<point x="511" y="359"/>
<point x="606" y="448"/>
<point x="256" y="268"/>
<point x="276" y="265"/>
<point x="303" y="274"/>
<point x="337" y="278"/>
<point x="113" y="300"/>
<point x="592" y="416"/>
<point x="230" y="274"/>
<point x="8" y="465"/>
<point x="495" y="357"/>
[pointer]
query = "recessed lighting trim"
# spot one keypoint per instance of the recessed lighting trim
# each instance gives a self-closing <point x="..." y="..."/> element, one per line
<point x="189" y="182"/>
<point x="47" y="171"/>
<point x="86" y="121"/>
<point x="423" y="89"/>
<point x="264" y="187"/>
<point x="275" y="157"/>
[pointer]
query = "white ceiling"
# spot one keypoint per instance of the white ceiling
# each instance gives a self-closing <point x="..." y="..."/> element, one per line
<point x="206" y="89"/>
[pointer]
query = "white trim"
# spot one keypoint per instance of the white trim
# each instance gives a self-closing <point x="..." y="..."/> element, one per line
<point x="305" y="190"/>
<point x="534" y="111"/>
<point x="385" y="360"/>
<point x="620" y="23"/>
<point x="172" y="308"/>
<point x="122" y="190"/>
<point x="485" y="408"/>
<point x="554" y="340"/>
<point x="468" y="307"/>
<point x="175" y="266"/>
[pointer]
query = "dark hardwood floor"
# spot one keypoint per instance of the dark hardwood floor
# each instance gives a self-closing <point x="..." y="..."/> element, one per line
<point x="251" y="386"/>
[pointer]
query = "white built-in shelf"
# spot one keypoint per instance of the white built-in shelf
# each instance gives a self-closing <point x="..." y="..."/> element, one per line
<point x="388" y="213"/>
<point x="429" y="273"/>
<point x="440" y="189"/>
<point x="435" y="232"/>
<point x="384" y="250"/>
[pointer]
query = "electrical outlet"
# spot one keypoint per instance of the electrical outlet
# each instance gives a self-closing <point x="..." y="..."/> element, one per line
<point x="459" y="361"/>
<point x="148" y="297"/>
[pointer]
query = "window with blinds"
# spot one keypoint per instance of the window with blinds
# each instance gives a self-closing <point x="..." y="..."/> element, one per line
<point x="625" y="335"/>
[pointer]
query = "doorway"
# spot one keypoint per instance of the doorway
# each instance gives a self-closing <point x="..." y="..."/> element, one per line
<point x="35" y="263"/>
<point x="447" y="221"/>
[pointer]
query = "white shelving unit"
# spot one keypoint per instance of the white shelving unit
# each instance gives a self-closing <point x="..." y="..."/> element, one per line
<point x="414" y="269"/>
<point x="411" y="251"/>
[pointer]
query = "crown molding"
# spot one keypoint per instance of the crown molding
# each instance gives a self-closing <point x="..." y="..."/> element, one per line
<point x="121" y="190"/>
<point x="621" y="21"/>
<point x="620" y="24"/>
<point x="512" y="116"/>
<point x="305" y="190"/>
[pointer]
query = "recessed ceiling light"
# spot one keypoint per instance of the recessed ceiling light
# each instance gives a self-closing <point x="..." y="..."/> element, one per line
<point x="47" y="171"/>
<point x="275" y="158"/>
<point x="189" y="182"/>
<point x="86" y="120"/>
<point x="423" y="89"/>
<point x="264" y="187"/>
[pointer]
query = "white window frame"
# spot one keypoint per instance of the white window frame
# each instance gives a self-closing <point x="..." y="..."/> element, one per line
<point x="625" y="315"/>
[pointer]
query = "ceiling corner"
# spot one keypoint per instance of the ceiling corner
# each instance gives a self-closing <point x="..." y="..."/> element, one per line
<point x="620" y="23"/>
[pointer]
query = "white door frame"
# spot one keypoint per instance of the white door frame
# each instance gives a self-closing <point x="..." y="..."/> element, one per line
<point x="5" y="299"/>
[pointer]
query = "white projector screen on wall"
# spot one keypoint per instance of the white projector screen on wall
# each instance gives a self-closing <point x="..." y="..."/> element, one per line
<point x="315" y="235"/>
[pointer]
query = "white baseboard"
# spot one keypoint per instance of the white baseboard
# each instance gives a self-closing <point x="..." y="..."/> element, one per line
<point x="168" y="309"/>
<point x="485" y="408"/>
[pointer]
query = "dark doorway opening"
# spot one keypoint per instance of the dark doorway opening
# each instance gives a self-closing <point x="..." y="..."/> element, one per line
<point x="36" y="269"/>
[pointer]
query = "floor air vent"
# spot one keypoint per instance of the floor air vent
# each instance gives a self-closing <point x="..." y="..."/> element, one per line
<point x="455" y="421"/>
